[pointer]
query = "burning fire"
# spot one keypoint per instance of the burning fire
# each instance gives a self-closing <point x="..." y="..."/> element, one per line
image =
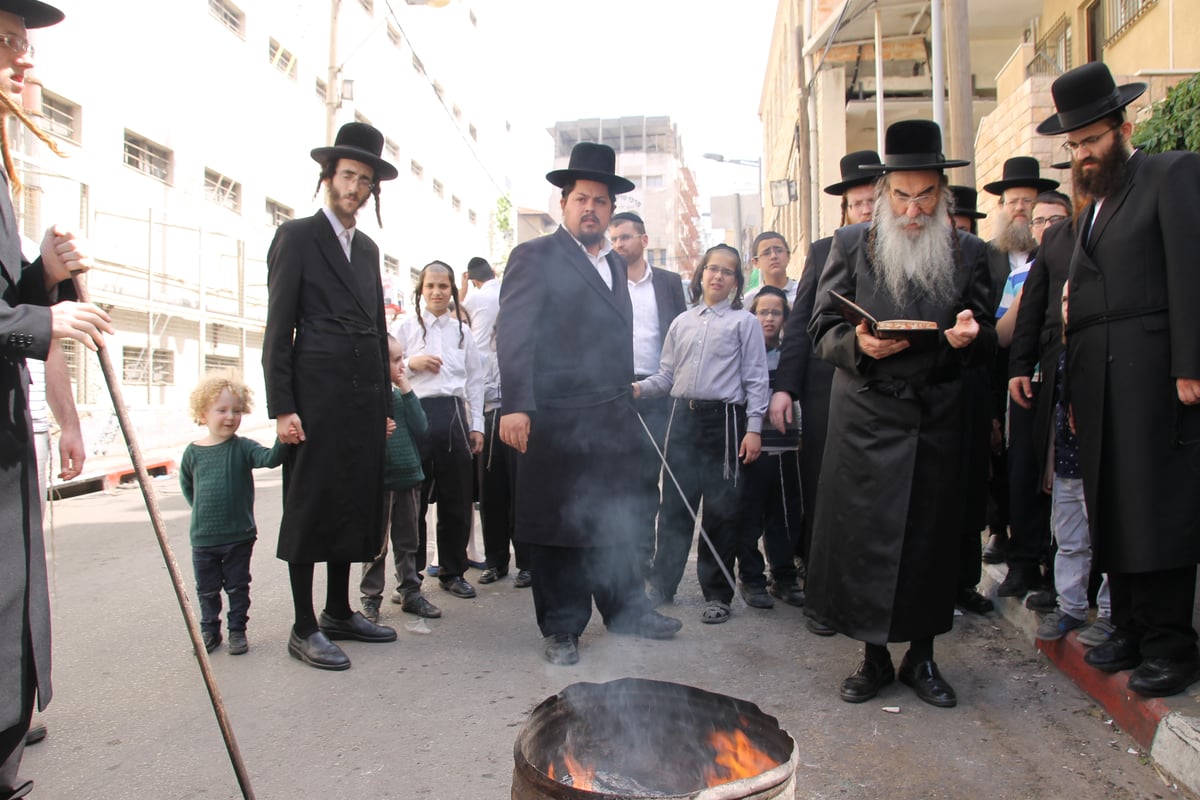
<point x="736" y="758"/>
<point x="580" y="777"/>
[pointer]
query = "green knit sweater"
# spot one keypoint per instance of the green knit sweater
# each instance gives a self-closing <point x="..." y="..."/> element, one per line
<point x="402" y="464"/>
<point x="218" y="485"/>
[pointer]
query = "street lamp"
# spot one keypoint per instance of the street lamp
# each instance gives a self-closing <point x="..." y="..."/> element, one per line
<point x="742" y="162"/>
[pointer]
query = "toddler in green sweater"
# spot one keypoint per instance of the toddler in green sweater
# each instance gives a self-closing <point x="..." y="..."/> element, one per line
<point x="215" y="474"/>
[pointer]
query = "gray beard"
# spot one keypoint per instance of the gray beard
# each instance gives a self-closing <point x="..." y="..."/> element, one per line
<point x="908" y="267"/>
<point x="1014" y="237"/>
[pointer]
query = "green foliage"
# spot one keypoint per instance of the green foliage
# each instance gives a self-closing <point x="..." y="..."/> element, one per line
<point x="504" y="215"/>
<point x="1176" y="121"/>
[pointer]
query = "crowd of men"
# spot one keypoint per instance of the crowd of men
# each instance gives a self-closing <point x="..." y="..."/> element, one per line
<point x="919" y="430"/>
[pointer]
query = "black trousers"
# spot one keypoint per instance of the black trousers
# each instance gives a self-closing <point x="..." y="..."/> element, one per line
<point x="12" y="740"/>
<point x="449" y="482"/>
<point x="1156" y="609"/>
<point x="655" y="411"/>
<point x="769" y="500"/>
<point x="497" y="485"/>
<point x="1029" y="505"/>
<point x="567" y="579"/>
<point x="227" y="567"/>
<point x="702" y="447"/>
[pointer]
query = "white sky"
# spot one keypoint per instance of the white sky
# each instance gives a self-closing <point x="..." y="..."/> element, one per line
<point x="701" y="62"/>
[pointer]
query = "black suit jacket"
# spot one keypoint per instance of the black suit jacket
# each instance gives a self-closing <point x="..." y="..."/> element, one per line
<point x="668" y="294"/>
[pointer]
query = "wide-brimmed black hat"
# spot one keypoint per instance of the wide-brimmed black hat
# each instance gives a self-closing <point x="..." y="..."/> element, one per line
<point x="1021" y="171"/>
<point x="912" y="145"/>
<point x="360" y="142"/>
<point x="591" y="162"/>
<point x="36" y="14"/>
<point x="965" y="202"/>
<point x="1084" y="95"/>
<point x="852" y="172"/>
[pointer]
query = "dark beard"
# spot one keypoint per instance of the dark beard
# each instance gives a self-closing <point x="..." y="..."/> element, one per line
<point x="590" y="239"/>
<point x="1110" y="175"/>
<point x="1013" y="236"/>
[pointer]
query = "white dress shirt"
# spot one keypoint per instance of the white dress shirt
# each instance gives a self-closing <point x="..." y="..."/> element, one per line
<point x="461" y="374"/>
<point x="647" y="344"/>
<point x="598" y="261"/>
<point x="344" y="235"/>
<point x="483" y="304"/>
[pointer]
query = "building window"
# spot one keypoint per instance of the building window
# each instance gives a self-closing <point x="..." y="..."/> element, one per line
<point x="458" y="113"/>
<point x="438" y="188"/>
<point x="1119" y="16"/>
<point x="282" y="59"/>
<point x="278" y="213"/>
<point x="228" y="15"/>
<point x="138" y="366"/>
<point x="368" y="6"/>
<point x="439" y="91"/>
<point x="391" y="265"/>
<point x="393" y="34"/>
<point x="148" y="157"/>
<point x="391" y="149"/>
<point x="417" y="169"/>
<point x="223" y="190"/>
<point x="455" y="203"/>
<point x="417" y="65"/>
<point x="231" y="364"/>
<point x="654" y="182"/>
<point x="62" y="117"/>
<point x="471" y="217"/>
<point x="474" y="133"/>
<point x="322" y="90"/>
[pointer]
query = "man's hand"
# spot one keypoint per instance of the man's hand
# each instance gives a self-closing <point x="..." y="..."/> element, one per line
<point x="425" y="363"/>
<point x="71" y="454"/>
<point x="1020" y="389"/>
<point x="289" y="429"/>
<point x="751" y="447"/>
<point x="1189" y="390"/>
<point x="965" y="329"/>
<point x="780" y="411"/>
<point x="82" y="322"/>
<point x="63" y="254"/>
<point x="514" y="430"/>
<point x="476" y="439"/>
<point x="875" y="347"/>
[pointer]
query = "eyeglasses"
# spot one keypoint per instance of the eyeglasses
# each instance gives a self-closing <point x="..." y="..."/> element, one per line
<point x="1088" y="142"/>
<point x="863" y="204"/>
<point x="353" y="177"/>
<point x="921" y="201"/>
<point x="1018" y="202"/>
<point x="1038" y="222"/>
<point x="18" y="45"/>
<point x="773" y="251"/>
<point x="724" y="273"/>
<point x="769" y="313"/>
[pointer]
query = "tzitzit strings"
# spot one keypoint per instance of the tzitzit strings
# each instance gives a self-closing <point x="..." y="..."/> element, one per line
<point x="15" y="109"/>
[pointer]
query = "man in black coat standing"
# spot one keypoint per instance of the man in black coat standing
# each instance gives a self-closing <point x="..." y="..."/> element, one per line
<point x="328" y="390"/>
<point x="565" y="344"/>
<point x="1133" y="376"/>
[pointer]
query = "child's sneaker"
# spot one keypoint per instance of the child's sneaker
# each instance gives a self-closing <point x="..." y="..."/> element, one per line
<point x="237" y="643"/>
<point x="212" y="640"/>
<point x="370" y="608"/>
<point x="1057" y="624"/>
<point x="1097" y="633"/>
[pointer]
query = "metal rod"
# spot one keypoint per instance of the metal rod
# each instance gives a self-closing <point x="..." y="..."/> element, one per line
<point x="160" y="531"/>
<point x="695" y="517"/>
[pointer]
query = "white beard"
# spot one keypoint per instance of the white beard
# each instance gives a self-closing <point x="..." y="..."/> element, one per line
<point x="908" y="266"/>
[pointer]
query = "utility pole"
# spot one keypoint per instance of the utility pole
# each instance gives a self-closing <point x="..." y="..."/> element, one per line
<point x="962" y="116"/>
<point x="332" y="90"/>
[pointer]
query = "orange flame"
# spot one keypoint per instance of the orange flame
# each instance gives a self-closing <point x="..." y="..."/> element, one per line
<point x="581" y="777"/>
<point x="736" y="758"/>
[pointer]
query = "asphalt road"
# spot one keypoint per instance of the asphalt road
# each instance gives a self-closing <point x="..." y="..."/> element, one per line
<point x="435" y="716"/>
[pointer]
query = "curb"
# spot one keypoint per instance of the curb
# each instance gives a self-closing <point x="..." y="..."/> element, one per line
<point x="1167" y="727"/>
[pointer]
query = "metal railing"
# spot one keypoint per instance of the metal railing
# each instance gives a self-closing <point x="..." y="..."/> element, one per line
<point x="1052" y="55"/>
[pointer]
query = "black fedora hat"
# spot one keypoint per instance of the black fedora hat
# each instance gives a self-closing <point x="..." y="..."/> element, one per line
<point x="1021" y="171"/>
<point x="965" y="202"/>
<point x="852" y="172"/>
<point x="36" y="14"/>
<point x="913" y="145"/>
<point x="1084" y="95"/>
<point x="591" y="162"/>
<point x="360" y="142"/>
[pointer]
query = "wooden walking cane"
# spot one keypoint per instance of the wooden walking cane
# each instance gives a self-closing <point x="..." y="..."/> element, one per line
<point x="160" y="531"/>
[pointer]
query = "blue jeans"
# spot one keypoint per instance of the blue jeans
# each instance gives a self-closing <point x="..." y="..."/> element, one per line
<point x="223" y="566"/>
<point x="1073" y="561"/>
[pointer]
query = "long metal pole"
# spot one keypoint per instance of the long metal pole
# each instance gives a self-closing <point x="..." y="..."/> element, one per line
<point x="879" y="122"/>
<point x="937" y="35"/>
<point x="160" y="531"/>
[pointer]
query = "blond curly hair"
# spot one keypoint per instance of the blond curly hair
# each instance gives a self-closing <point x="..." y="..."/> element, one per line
<point x="210" y="388"/>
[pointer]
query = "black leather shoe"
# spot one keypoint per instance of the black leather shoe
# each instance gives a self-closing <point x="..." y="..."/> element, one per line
<point x="562" y="649"/>
<point x="20" y="791"/>
<point x="818" y="627"/>
<point x="491" y="575"/>
<point x="790" y="593"/>
<point x="866" y="681"/>
<point x="1043" y="601"/>
<point x="458" y="587"/>
<point x="973" y="601"/>
<point x="996" y="549"/>
<point x="418" y="604"/>
<point x="650" y="625"/>
<point x="1018" y="582"/>
<point x="523" y="580"/>
<point x="37" y="731"/>
<point x="317" y="651"/>
<point x="357" y="627"/>
<point x="756" y="596"/>
<point x="1162" y="677"/>
<point x="927" y="682"/>
<point x="1120" y="652"/>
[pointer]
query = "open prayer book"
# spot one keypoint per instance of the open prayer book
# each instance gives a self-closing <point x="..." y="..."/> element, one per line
<point x="912" y="329"/>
